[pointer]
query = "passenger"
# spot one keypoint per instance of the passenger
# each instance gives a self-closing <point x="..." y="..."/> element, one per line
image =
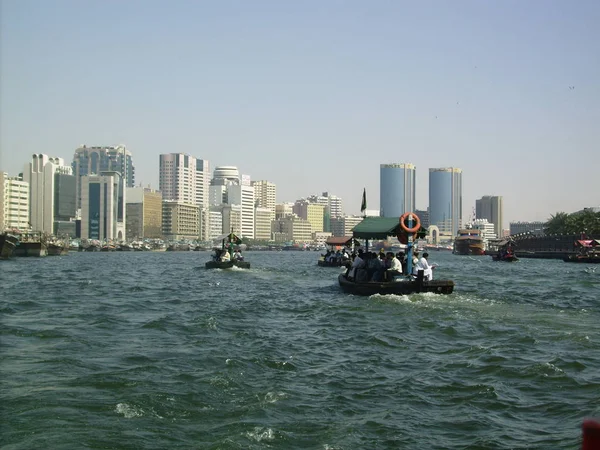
<point x="225" y="256"/>
<point x="358" y="263"/>
<point x="373" y="264"/>
<point x="238" y="255"/>
<point x="426" y="267"/>
<point x="415" y="263"/>
<point x="395" y="268"/>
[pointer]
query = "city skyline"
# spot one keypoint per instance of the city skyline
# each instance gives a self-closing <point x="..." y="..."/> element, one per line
<point x="314" y="97"/>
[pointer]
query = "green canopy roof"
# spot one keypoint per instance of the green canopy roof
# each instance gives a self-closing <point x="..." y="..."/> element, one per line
<point x="376" y="228"/>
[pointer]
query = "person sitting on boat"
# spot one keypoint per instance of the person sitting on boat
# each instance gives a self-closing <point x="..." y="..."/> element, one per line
<point x="395" y="268"/>
<point x="217" y="255"/>
<point x="427" y="268"/>
<point x="358" y="263"/>
<point x="238" y="255"/>
<point x="225" y="256"/>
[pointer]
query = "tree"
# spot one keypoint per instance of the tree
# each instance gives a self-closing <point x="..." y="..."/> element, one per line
<point x="557" y="224"/>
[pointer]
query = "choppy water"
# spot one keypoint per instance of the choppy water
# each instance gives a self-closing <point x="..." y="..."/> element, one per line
<point x="152" y="351"/>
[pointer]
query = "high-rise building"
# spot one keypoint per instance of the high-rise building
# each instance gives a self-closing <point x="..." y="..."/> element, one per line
<point x="100" y="205"/>
<point x="52" y="193"/>
<point x="283" y="210"/>
<point x="184" y="179"/>
<point x="491" y="208"/>
<point x="144" y="213"/>
<point x="265" y="195"/>
<point x="313" y="212"/>
<point x="342" y="226"/>
<point x="262" y="223"/>
<point x="397" y="189"/>
<point x="333" y="207"/>
<point x="445" y="199"/>
<point x="99" y="159"/>
<point x="243" y="195"/>
<point x="14" y="203"/>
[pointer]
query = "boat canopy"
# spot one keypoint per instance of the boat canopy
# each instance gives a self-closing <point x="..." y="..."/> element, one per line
<point x="587" y="243"/>
<point x="377" y="228"/>
<point x="342" y="240"/>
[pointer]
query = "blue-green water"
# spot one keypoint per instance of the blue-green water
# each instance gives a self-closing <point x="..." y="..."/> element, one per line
<point x="152" y="351"/>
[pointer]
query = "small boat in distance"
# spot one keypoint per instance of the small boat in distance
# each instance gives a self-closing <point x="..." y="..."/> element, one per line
<point x="506" y="252"/>
<point x="225" y="258"/>
<point x="8" y="242"/>
<point x="331" y="258"/>
<point x="587" y="252"/>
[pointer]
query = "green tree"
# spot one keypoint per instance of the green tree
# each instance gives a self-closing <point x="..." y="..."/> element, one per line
<point x="557" y="224"/>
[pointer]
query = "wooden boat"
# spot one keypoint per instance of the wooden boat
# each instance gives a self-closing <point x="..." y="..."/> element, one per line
<point x="380" y="228"/>
<point x="587" y="252"/>
<point x="505" y="252"/>
<point x="217" y="264"/>
<point x="586" y="259"/>
<point x="227" y="264"/>
<point x="334" y="242"/>
<point x="404" y="286"/>
<point x="58" y="248"/>
<point x="8" y="243"/>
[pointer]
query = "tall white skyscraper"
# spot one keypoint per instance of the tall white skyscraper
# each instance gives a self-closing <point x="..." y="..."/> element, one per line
<point x="184" y="178"/>
<point x="243" y="195"/>
<point x="51" y="183"/>
<point x="265" y="194"/>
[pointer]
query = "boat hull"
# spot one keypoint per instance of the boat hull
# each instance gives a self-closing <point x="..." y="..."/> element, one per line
<point x="57" y="250"/>
<point x="583" y="259"/>
<point x="395" y="287"/>
<point x="227" y="264"/>
<point x="8" y="242"/>
<point x="505" y="258"/>
<point x="322" y="263"/>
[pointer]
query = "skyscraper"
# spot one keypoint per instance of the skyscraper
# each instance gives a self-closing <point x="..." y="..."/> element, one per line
<point x="397" y="189"/>
<point x="14" y="203"/>
<point x="184" y="178"/>
<point x="93" y="161"/>
<point x="51" y="192"/>
<point x="99" y="205"/>
<point x="445" y="199"/>
<point x="491" y="208"/>
<point x="265" y="195"/>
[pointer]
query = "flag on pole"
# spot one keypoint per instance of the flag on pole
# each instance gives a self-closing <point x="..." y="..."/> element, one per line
<point x="363" y="205"/>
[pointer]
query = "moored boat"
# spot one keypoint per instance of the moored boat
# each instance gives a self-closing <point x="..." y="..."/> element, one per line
<point x="8" y="243"/>
<point x="587" y="252"/>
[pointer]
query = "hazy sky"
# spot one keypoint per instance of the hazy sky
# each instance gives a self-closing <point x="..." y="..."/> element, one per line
<point x="315" y="95"/>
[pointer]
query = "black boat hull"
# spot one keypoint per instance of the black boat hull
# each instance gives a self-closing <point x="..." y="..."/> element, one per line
<point x="227" y="264"/>
<point x="395" y="287"/>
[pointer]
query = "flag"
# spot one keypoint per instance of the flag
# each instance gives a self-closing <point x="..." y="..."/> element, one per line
<point x="234" y="239"/>
<point x="363" y="205"/>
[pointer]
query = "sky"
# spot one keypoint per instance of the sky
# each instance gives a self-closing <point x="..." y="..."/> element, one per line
<point x="315" y="95"/>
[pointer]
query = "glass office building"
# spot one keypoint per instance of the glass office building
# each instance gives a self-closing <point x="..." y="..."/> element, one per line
<point x="445" y="199"/>
<point x="396" y="189"/>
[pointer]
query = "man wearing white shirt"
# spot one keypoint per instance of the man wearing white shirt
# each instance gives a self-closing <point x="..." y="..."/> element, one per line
<point x="426" y="267"/>
<point x="395" y="268"/>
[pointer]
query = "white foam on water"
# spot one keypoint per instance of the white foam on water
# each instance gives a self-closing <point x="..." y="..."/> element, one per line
<point x="261" y="434"/>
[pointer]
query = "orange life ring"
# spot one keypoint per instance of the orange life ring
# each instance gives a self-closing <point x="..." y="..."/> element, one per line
<point x="416" y="222"/>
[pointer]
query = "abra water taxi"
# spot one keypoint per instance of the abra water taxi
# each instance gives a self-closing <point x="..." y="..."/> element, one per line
<point x="231" y="259"/>
<point x="405" y="230"/>
<point x="335" y="242"/>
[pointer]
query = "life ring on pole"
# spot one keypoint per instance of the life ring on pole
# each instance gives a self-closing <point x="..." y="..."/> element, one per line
<point x="416" y="222"/>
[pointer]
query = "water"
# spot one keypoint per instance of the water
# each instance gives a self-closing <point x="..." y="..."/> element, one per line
<point x="150" y="350"/>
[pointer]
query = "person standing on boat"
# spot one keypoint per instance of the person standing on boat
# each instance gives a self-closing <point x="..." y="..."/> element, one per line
<point x="415" y="263"/>
<point x="427" y="268"/>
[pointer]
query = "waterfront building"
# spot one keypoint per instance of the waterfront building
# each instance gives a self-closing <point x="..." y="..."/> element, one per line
<point x="342" y="226"/>
<point x="265" y="194"/>
<point x="527" y="227"/>
<point x="313" y="212"/>
<point x="180" y="220"/>
<point x="99" y="206"/>
<point x="488" y="230"/>
<point x="445" y="199"/>
<point x="491" y="207"/>
<point x="232" y="219"/>
<point x="98" y="159"/>
<point x="243" y="195"/>
<point x="184" y="178"/>
<point x="52" y="193"/>
<point x="283" y="210"/>
<point x="397" y="189"/>
<point x="144" y="213"/>
<point x="332" y="204"/>
<point x="292" y="228"/>
<point x="14" y="203"/>
<point x="213" y="223"/>
<point x="262" y="223"/>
